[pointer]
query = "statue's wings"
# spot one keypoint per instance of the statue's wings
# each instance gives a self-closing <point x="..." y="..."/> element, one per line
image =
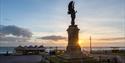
<point x="70" y="7"/>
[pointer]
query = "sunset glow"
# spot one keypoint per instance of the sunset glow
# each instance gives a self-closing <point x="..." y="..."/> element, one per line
<point x="49" y="19"/>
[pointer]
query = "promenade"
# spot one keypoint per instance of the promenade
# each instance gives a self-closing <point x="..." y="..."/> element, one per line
<point x="21" y="59"/>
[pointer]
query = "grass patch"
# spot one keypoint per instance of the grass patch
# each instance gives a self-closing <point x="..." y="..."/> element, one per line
<point x="55" y="59"/>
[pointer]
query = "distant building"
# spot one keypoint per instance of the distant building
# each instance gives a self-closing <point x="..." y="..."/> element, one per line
<point x="115" y="49"/>
<point x="27" y="50"/>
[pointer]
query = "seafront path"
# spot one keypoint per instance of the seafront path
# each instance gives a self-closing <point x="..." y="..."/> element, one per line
<point x="21" y="59"/>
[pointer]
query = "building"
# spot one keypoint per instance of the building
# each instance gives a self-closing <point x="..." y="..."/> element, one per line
<point x="27" y="50"/>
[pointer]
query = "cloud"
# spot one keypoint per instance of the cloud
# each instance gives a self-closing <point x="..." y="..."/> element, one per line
<point x="13" y="39"/>
<point x="14" y="30"/>
<point x="112" y="39"/>
<point x="53" y="38"/>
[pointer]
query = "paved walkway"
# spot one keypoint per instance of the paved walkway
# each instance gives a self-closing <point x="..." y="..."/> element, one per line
<point x="21" y="59"/>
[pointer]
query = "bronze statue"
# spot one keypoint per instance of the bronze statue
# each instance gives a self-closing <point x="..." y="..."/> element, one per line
<point x="72" y="12"/>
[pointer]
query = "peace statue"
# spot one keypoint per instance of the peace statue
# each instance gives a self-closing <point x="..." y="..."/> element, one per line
<point x="72" y="12"/>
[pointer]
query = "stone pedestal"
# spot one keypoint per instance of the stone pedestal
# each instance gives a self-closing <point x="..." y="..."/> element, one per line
<point x="73" y="52"/>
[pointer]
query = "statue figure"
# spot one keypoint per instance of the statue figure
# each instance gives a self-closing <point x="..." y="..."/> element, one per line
<point x="72" y="12"/>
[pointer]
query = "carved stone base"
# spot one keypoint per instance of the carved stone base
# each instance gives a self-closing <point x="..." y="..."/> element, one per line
<point x="74" y="58"/>
<point x="73" y="52"/>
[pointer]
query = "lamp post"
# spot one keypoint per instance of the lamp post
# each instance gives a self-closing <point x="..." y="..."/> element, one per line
<point x="90" y="45"/>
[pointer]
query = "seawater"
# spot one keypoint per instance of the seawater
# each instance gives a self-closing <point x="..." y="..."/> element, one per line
<point x="3" y="50"/>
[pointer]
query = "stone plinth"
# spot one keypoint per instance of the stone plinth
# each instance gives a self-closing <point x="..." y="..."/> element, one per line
<point x="73" y="52"/>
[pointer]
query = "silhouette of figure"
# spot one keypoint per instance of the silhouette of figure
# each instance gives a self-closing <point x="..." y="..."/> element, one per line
<point x="72" y="12"/>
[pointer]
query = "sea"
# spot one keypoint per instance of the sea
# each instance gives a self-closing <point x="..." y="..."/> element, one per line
<point x="10" y="50"/>
<point x="4" y="50"/>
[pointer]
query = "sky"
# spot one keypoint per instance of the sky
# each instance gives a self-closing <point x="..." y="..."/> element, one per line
<point x="103" y="20"/>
